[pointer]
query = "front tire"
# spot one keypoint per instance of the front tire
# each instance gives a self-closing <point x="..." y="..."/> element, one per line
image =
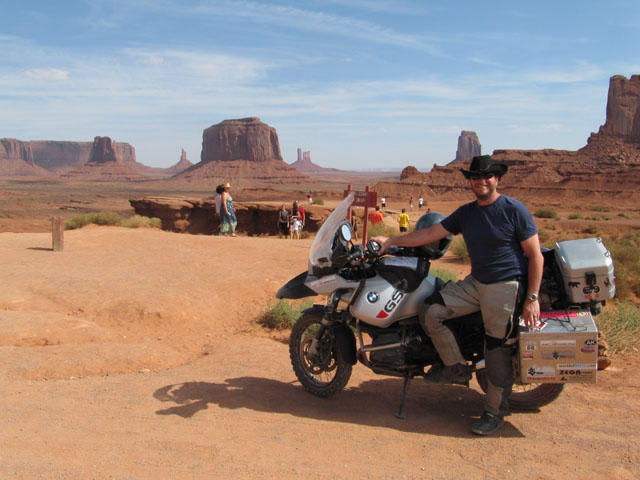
<point x="326" y="373"/>
<point x="526" y="397"/>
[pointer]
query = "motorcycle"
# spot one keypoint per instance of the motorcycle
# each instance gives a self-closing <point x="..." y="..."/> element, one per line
<point x="379" y="298"/>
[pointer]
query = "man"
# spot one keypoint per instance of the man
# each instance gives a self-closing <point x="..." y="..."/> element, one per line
<point x="376" y="216"/>
<point x="504" y="248"/>
<point x="403" y="221"/>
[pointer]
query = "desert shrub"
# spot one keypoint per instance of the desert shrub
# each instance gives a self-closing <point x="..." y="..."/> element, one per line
<point x="110" y="218"/>
<point x="318" y="201"/>
<point x="574" y="216"/>
<point x="459" y="248"/>
<point x="592" y="230"/>
<point x="139" y="221"/>
<point x="281" y="315"/>
<point x="599" y="208"/>
<point x="381" y="230"/>
<point x="596" y="218"/>
<point x="620" y="322"/>
<point x="444" y="274"/>
<point x="625" y="253"/>
<point x="546" y="212"/>
<point x="624" y="215"/>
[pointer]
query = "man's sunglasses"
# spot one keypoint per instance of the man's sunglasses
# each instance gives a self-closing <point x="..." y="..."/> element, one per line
<point x="485" y="176"/>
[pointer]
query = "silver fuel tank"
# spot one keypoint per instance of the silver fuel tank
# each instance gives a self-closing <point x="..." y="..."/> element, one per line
<point x="381" y="304"/>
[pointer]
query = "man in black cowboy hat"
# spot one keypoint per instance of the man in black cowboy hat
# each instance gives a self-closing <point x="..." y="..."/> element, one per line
<point x="502" y="240"/>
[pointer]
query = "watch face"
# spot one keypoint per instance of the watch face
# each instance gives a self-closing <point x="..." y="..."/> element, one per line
<point x="533" y="296"/>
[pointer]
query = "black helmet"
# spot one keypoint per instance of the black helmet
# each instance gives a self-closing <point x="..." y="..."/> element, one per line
<point x="436" y="249"/>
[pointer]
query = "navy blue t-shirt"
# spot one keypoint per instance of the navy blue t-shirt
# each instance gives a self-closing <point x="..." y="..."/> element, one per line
<point x="493" y="234"/>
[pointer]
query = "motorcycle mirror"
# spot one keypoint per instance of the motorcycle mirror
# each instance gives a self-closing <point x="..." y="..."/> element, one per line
<point x="345" y="233"/>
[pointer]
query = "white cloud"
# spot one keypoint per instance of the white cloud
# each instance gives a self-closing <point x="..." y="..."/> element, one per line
<point x="47" y="74"/>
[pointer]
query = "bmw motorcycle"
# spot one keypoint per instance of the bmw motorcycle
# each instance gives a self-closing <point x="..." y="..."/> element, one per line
<point x="377" y="300"/>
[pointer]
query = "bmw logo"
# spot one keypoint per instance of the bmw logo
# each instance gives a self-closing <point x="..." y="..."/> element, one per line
<point x="372" y="297"/>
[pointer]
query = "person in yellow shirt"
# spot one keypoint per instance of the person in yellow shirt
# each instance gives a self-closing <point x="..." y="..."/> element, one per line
<point x="403" y="221"/>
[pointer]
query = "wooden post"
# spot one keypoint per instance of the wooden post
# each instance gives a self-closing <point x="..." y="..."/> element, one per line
<point x="57" y="233"/>
<point x="365" y="221"/>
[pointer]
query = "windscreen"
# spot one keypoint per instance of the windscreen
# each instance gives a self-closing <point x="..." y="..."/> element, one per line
<point x="320" y="252"/>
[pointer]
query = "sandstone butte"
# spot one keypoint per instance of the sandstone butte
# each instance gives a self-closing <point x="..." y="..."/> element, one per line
<point x="607" y="167"/>
<point x="241" y="151"/>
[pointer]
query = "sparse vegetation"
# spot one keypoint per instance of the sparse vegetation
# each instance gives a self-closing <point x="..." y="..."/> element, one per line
<point x="620" y="322"/>
<point x="624" y="215"/>
<point x="281" y="315"/>
<point x="546" y="212"/>
<point x="381" y="230"/>
<point x="599" y="208"/>
<point x="574" y="216"/>
<point x="111" y="218"/>
<point x="459" y="248"/>
<point x="626" y="261"/>
<point x="592" y="229"/>
<point x="444" y="274"/>
<point x="318" y="201"/>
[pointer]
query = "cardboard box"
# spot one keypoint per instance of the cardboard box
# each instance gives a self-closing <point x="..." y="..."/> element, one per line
<point x="587" y="270"/>
<point x="564" y="349"/>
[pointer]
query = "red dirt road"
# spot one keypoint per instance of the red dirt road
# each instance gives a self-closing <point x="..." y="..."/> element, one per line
<point x="134" y="354"/>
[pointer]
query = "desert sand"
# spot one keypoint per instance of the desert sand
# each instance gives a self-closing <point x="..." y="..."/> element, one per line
<point x="135" y="354"/>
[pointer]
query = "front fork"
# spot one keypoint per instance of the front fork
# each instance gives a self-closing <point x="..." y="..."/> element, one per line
<point x="327" y="321"/>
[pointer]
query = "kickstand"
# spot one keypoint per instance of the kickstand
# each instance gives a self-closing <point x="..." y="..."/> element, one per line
<point x="401" y="414"/>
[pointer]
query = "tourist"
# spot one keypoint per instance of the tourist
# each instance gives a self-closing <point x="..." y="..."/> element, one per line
<point x="218" y="200"/>
<point x="376" y="216"/>
<point x="506" y="262"/>
<point x="383" y="203"/>
<point x="293" y="221"/>
<point x="228" y="221"/>
<point x="411" y="203"/>
<point x="354" y="225"/>
<point x="310" y="198"/>
<point x="283" y="222"/>
<point x="404" y="221"/>
<point x="302" y="216"/>
<point x="420" y="203"/>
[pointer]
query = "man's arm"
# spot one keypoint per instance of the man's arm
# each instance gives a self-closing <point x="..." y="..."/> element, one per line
<point x="413" y="239"/>
<point x="531" y="309"/>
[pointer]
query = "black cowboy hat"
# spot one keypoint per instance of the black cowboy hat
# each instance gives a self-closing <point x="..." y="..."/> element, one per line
<point x="484" y="164"/>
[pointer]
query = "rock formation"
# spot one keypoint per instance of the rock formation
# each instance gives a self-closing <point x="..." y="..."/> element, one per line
<point x="60" y="157"/>
<point x="623" y="109"/>
<point x="181" y="166"/>
<point x="244" y="152"/>
<point x="197" y="216"/>
<point x="105" y="164"/>
<point x="305" y="165"/>
<point x="16" y="159"/>
<point x="468" y="147"/>
<point x="607" y="167"/>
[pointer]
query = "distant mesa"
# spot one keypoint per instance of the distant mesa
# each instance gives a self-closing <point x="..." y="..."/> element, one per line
<point x="181" y="166"/>
<point x="16" y="159"/>
<point x="105" y="163"/>
<point x="468" y="147"/>
<point x="305" y="165"/>
<point x="242" y="151"/>
<point x="607" y="167"/>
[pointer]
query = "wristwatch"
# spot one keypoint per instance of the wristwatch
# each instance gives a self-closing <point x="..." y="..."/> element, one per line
<point x="532" y="296"/>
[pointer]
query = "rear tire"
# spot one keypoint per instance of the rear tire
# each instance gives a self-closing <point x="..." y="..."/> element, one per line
<point x="528" y="396"/>
<point x="324" y="374"/>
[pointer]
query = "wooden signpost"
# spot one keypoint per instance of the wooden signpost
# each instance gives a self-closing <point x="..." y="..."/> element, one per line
<point x="364" y="199"/>
<point x="57" y="233"/>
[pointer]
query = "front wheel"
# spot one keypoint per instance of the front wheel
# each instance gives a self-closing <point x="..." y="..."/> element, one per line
<point x="528" y="396"/>
<point x="325" y="372"/>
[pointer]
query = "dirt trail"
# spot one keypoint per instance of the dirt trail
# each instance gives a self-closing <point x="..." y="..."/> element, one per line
<point x="134" y="354"/>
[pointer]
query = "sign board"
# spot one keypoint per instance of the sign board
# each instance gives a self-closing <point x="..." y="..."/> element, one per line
<point x="363" y="199"/>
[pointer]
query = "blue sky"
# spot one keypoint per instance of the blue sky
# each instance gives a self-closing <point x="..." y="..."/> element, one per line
<point x="362" y="84"/>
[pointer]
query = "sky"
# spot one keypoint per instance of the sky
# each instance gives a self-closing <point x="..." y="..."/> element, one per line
<point x="361" y="84"/>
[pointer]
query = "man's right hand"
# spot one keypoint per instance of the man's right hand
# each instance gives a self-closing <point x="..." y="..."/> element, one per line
<point x="385" y="243"/>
